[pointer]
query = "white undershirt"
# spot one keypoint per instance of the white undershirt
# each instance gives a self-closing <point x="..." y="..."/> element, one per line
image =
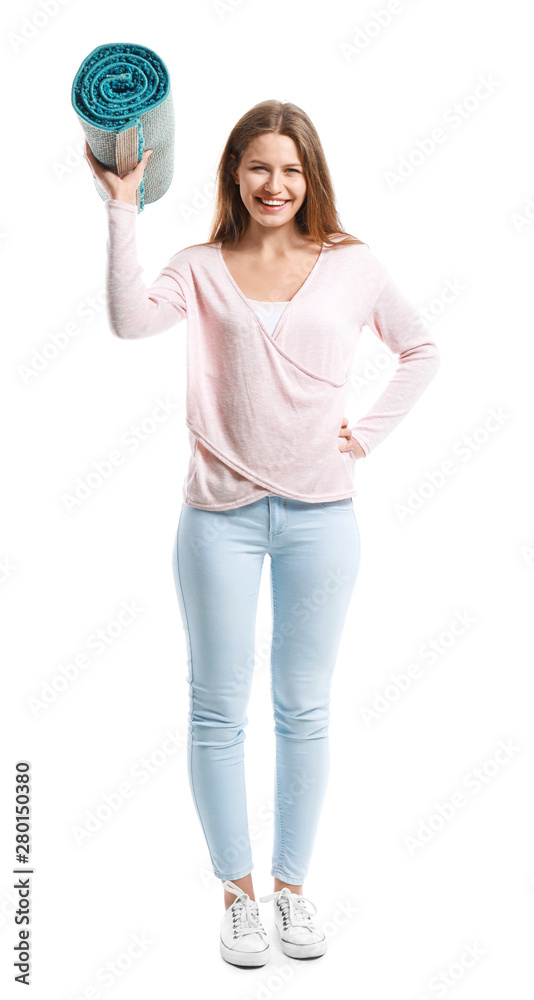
<point x="268" y="312"/>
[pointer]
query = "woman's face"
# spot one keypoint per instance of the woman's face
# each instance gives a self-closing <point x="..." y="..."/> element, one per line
<point x="271" y="170"/>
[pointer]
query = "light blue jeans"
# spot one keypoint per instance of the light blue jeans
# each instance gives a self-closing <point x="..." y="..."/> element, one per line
<point x="217" y="564"/>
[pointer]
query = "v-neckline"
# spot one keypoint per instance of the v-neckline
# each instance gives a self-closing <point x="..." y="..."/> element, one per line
<point x="270" y="336"/>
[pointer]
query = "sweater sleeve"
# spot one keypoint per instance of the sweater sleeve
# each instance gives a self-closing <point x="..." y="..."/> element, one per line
<point x="397" y="323"/>
<point x="133" y="310"/>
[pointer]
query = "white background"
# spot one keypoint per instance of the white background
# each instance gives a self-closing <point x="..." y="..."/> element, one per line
<point x="397" y="917"/>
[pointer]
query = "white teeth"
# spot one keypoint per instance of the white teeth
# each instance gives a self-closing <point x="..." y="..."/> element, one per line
<point x="271" y="202"/>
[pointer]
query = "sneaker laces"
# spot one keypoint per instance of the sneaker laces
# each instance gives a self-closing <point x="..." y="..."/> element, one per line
<point x="245" y="912"/>
<point x="293" y="907"/>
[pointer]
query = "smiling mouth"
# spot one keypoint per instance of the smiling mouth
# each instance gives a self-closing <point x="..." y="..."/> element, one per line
<point x="277" y="207"/>
<point x="272" y="202"/>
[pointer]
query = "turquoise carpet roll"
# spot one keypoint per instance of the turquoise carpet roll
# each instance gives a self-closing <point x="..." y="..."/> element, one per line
<point x="122" y="97"/>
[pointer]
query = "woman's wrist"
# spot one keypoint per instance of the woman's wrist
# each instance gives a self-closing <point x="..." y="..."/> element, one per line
<point x="126" y="201"/>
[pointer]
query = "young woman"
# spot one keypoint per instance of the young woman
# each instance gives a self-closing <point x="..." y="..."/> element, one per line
<point x="275" y="303"/>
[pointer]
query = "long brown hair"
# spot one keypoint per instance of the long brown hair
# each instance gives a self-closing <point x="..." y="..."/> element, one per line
<point x="317" y="216"/>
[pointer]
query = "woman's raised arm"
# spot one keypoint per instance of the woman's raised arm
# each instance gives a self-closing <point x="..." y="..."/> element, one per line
<point x="133" y="310"/>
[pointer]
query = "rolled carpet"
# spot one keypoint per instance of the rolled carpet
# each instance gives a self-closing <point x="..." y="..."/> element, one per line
<point x="122" y="97"/>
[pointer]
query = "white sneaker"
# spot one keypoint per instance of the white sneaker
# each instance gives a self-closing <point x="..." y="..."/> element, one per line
<point x="298" y="935"/>
<point x="243" y="936"/>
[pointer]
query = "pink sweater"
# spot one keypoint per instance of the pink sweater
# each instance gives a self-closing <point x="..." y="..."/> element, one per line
<point x="264" y="411"/>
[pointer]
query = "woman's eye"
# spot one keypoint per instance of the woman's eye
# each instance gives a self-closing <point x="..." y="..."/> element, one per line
<point x="293" y="169"/>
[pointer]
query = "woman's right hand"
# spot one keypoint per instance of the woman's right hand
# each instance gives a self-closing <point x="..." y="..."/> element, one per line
<point x="120" y="188"/>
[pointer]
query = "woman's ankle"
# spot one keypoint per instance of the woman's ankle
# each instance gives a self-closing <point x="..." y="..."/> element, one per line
<point x="280" y="884"/>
